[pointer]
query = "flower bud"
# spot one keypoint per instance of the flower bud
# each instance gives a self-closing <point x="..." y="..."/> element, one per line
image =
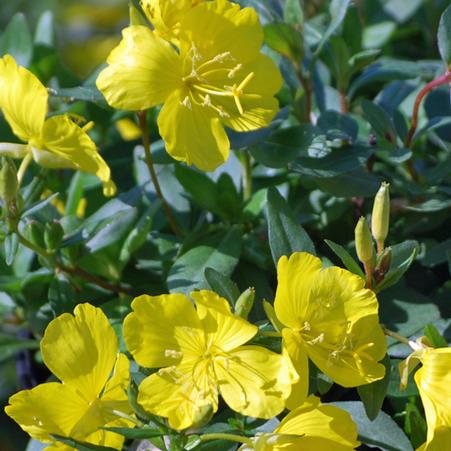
<point x="245" y="303"/>
<point x="34" y="231"/>
<point x="381" y="214"/>
<point x="53" y="235"/>
<point x="9" y="184"/>
<point x="363" y="241"/>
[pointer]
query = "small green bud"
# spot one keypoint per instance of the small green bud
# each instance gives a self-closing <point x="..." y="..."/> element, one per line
<point x="34" y="231"/>
<point x="245" y="302"/>
<point x="9" y="185"/>
<point x="363" y="241"/>
<point x="53" y="235"/>
<point x="381" y="215"/>
<point x="203" y="416"/>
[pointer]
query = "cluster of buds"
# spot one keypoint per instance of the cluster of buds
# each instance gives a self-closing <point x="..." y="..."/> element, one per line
<point x="375" y="265"/>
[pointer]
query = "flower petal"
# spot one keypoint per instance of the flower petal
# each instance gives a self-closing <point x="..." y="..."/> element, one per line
<point x="142" y="71"/>
<point x="296" y="275"/>
<point x="61" y="136"/>
<point x="431" y="378"/>
<point x="224" y="330"/>
<point x="50" y="408"/>
<point x="298" y="355"/>
<point x="321" y="427"/>
<point x="255" y="381"/>
<point x="81" y="350"/>
<point x="161" y="327"/>
<point x="352" y="360"/>
<point x="23" y="99"/>
<point x="192" y="133"/>
<point x="214" y="28"/>
<point x="175" y="394"/>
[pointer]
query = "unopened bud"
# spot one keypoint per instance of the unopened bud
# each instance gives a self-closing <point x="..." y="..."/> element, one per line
<point x="34" y="231"/>
<point x="9" y="184"/>
<point x="381" y="214"/>
<point x="203" y="416"/>
<point x="53" y="235"/>
<point x="363" y="241"/>
<point x="245" y="302"/>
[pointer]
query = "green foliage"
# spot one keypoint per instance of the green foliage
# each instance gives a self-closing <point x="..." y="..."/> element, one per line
<point x="352" y="72"/>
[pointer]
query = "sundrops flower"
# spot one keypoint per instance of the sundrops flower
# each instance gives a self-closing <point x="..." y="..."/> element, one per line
<point x="217" y="77"/>
<point x="83" y="352"/>
<point x="433" y="380"/>
<point x="200" y="355"/>
<point x="57" y="142"/>
<point x="311" y="427"/>
<point x="166" y="16"/>
<point x="330" y="318"/>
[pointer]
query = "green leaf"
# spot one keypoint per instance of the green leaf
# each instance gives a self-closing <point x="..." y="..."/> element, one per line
<point x="293" y="13"/>
<point x="379" y="120"/>
<point x="382" y="433"/>
<point x="285" y="234"/>
<point x="284" y="39"/>
<point x="444" y="36"/>
<point x="81" y="446"/>
<point x="61" y="295"/>
<point x="402" y="256"/>
<point x="45" y="30"/>
<point x="85" y="93"/>
<point x="284" y="146"/>
<point x="221" y="254"/>
<point x="10" y="345"/>
<point x="361" y="59"/>
<point x="16" y="40"/>
<point x="434" y="337"/>
<point x="11" y="245"/>
<point x="222" y="285"/>
<point x="373" y="395"/>
<point x="135" y="433"/>
<point x="75" y="194"/>
<point x="416" y="425"/>
<point x="201" y="188"/>
<point x="338" y="9"/>
<point x="346" y="258"/>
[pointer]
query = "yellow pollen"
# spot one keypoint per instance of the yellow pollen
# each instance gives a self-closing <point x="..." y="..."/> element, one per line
<point x="173" y="353"/>
<point x="186" y="102"/>
<point x="234" y="71"/>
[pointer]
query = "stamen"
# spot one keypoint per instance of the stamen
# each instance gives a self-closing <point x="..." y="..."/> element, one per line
<point x="173" y="353"/>
<point x="234" y="71"/>
<point x="186" y="102"/>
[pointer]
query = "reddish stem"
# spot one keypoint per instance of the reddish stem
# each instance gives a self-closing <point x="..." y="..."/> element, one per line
<point x="343" y="103"/>
<point x="442" y="80"/>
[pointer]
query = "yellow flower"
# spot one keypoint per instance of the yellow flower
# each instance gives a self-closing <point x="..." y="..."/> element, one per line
<point x="166" y="16"/>
<point x="56" y="142"/>
<point x="216" y="78"/>
<point x="83" y="352"/>
<point x="433" y="380"/>
<point x="311" y="427"/>
<point x="200" y="355"/>
<point x="330" y="318"/>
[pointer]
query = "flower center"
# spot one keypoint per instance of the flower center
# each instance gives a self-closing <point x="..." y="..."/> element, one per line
<point x="211" y="82"/>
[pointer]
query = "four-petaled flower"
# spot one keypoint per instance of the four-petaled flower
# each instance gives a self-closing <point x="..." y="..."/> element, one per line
<point x="56" y="142"/>
<point x="200" y="355"/>
<point x="83" y="352"/>
<point x="311" y="427"/>
<point x="330" y="318"/>
<point x="433" y="380"/>
<point x="216" y="78"/>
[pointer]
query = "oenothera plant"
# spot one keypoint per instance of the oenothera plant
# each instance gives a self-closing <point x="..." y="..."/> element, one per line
<point x="271" y="270"/>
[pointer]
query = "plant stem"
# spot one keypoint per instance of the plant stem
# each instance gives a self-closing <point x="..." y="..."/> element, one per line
<point x="396" y="336"/>
<point x="230" y="437"/>
<point x="343" y="103"/>
<point x="72" y="271"/>
<point x="153" y="175"/>
<point x="23" y="167"/>
<point x="35" y="248"/>
<point x="308" y="92"/>
<point x="247" y="174"/>
<point x="442" y="80"/>
<point x="369" y="274"/>
<point x="76" y="271"/>
<point x="380" y="246"/>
